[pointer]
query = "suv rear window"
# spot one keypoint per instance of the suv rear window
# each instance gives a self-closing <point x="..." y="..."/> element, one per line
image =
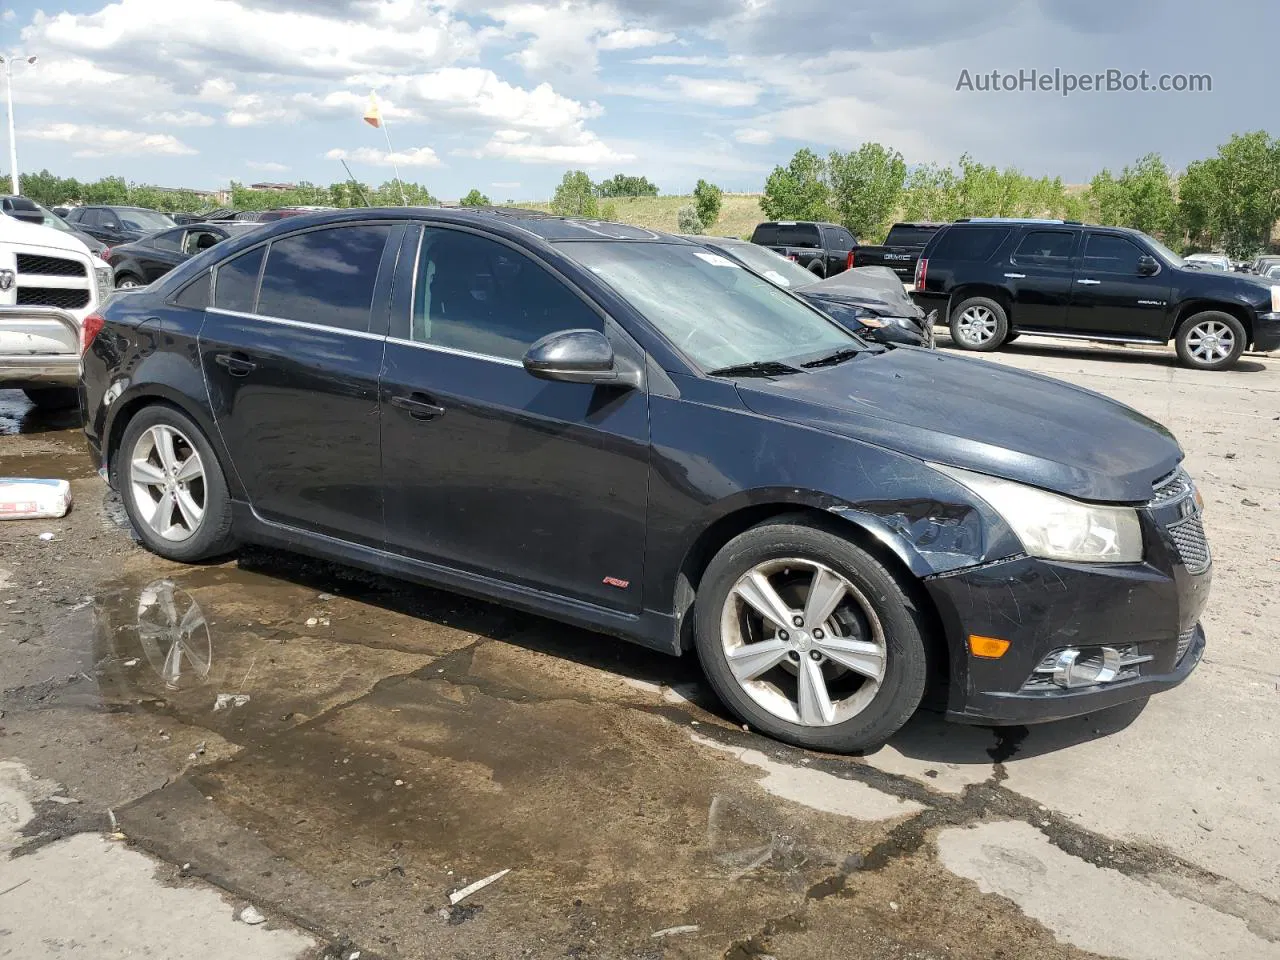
<point x="798" y="235"/>
<point x="906" y="236"/>
<point x="969" y="244"/>
<point x="766" y="234"/>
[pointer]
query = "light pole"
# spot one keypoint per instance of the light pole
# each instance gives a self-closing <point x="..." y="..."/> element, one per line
<point x="8" y="97"/>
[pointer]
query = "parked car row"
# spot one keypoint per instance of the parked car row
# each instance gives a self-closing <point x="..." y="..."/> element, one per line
<point x="440" y="395"/>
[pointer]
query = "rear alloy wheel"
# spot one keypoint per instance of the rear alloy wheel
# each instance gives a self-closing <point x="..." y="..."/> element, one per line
<point x="1211" y="341"/>
<point x="810" y="639"/>
<point x="979" y="324"/>
<point x="172" y="486"/>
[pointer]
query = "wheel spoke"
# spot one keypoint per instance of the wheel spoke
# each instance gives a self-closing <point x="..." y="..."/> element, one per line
<point x="815" y="703"/>
<point x="190" y="469"/>
<point x="750" y="660"/>
<point x="192" y="621"/>
<point x="192" y="512"/>
<point x="163" y="438"/>
<point x="859" y="656"/>
<point x="161" y="520"/>
<point x="756" y="590"/>
<point x="826" y="590"/>
<point x="144" y="471"/>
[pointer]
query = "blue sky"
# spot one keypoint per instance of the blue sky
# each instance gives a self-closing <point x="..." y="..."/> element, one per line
<point x="505" y="96"/>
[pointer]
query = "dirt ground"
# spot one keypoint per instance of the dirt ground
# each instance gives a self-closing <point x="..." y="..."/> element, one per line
<point x="342" y="752"/>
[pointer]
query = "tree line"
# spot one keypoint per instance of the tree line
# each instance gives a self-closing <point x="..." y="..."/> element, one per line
<point x="1230" y="201"/>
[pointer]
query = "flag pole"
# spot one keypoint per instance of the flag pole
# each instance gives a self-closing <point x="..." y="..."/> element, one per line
<point x="391" y="155"/>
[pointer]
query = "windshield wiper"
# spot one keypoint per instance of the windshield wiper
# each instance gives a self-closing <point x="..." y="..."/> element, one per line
<point x="836" y="356"/>
<point x="757" y="368"/>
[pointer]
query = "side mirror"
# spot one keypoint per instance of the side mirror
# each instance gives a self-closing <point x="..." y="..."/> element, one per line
<point x="1147" y="266"/>
<point x="580" y="356"/>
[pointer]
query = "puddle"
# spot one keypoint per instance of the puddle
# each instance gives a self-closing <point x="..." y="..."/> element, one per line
<point x="18" y="415"/>
<point x="60" y="465"/>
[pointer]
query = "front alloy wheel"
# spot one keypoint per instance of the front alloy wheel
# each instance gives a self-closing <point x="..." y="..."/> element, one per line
<point x="1211" y="341"/>
<point x="803" y="642"/>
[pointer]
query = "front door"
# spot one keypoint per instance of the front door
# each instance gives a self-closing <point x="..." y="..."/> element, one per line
<point x="1039" y="273"/>
<point x="1111" y="297"/>
<point x="292" y="361"/>
<point x="488" y="468"/>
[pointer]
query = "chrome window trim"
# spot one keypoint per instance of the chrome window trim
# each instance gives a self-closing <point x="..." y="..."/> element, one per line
<point x="301" y="324"/>
<point x="453" y="351"/>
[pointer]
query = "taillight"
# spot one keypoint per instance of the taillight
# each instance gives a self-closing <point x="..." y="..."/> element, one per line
<point x="106" y="253"/>
<point x="922" y="271"/>
<point x="849" y="263"/>
<point x="91" y="327"/>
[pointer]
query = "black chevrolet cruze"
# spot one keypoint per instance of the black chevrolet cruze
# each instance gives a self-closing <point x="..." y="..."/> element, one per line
<point x="628" y="432"/>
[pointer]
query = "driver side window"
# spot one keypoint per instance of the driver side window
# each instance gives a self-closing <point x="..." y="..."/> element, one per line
<point x="479" y="296"/>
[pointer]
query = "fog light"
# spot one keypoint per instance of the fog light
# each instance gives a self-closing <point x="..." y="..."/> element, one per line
<point x="1073" y="668"/>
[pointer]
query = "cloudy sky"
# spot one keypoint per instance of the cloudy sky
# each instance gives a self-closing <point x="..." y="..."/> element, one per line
<point x="505" y="96"/>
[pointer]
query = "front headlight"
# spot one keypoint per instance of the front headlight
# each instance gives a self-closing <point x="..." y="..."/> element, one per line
<point x="1056" y="527"/>
<point x="105" y="281"/>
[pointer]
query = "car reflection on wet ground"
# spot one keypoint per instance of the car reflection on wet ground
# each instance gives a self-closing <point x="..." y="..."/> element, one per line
<point x="344" y="751"/>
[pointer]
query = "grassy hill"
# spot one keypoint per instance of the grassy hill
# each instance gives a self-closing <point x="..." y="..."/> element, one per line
<point x="738" y="214"/>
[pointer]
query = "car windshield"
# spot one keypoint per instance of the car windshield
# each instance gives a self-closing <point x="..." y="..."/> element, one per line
<point x="774" y="267"/>
<point x="147" y="220"/>
<point x="719" y="314"/>
<point x="1173" y="259"/>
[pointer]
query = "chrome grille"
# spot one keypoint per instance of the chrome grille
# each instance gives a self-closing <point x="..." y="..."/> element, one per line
<point x="1173" y="487"/>
<point x="1184" y="644"/>
<point x="1188" y="536"/>
<point x="34" y="264"/>
<point x="53" y="297"/>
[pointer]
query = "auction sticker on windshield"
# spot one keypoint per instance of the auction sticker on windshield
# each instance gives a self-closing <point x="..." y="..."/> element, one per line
<point x="715" y="259"/>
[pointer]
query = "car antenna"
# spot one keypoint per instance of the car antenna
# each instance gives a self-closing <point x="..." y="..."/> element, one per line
<point x="355" y="183"/>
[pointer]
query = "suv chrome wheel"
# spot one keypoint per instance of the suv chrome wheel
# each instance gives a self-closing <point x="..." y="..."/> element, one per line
<point x="1211" y="341"/>
<point x="803" y="642"/>
<point x="167" y="482"/>
<point x="977" y="326"/>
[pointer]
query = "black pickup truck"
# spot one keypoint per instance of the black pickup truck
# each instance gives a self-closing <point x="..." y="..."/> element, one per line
<point x="996" y="279"/>
<point x="822" y="248"/>
<point x="900" y="251"/>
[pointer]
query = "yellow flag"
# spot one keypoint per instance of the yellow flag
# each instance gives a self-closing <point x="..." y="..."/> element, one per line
<point x="373" y="116"/>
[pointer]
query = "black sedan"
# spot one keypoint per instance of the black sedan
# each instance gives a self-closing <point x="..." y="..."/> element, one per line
<point x="113" y="225"/>
<point x="146" y="260"/>
<point x="624" y="431"/>
<point x="861" y="300"/>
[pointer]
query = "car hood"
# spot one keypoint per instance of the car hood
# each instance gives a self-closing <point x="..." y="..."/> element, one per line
<point x="978" y="416"/>
<point x="875" y="287"/>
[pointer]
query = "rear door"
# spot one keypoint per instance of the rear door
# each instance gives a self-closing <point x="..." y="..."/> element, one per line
<point x="1039" y="273"/>
<point x="158" y="255"/>
<point x="488" y="468"/>
<point x="839" y="242"/>
<point x="1110" y="297"/>
<point x="291" y="351"/>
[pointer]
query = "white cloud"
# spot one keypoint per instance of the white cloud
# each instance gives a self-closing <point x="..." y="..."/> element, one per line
<point x="505" y="184"/>
<point x="670" y="60"/>
<point x="585" y="149"/>
<point x="721" y="92"/>
<point x="754" y="136"/>
<point x="94" y="141"/>
<point x="633" y="38"/>
<point x="415" y="157"/>
<point x="8" y="16"/>
<point x="180" y="118"/>
<point x="266" y="166"/>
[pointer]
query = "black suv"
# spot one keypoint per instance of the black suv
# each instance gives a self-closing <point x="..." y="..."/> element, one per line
<point x="114" y="225"/>
<point x="821" y="248"/>
<point x="997" y="279"/>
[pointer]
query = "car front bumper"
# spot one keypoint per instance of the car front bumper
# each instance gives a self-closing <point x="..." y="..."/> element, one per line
<point x="1266" y="332"/>
<point x="1043" y="608"/>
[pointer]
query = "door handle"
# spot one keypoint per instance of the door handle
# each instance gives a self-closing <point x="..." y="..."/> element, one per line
<point x="1016" y="276"/>
<point x="419" y="405"/>
<point x="238" y="365"/>
<point x="1089" y="283"/>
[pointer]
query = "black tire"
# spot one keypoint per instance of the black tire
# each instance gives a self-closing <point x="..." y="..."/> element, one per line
<point x="1192" y="350"/>
<point x="1012" y="337"/>
<point x="902" y="623"/>
<point x="213" y="537"/>
<point x="54" y="398"/>
<point x="126" y="279"/>
<point x="818" y="270"/>
<point x="974" y="314"/>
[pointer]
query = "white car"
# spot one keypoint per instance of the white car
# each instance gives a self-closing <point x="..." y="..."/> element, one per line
<point x="1212" y="261"/>
<point x="49" y="283"/>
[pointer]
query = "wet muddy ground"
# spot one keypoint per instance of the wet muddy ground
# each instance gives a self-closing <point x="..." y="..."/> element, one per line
<point x="344" y="751"/>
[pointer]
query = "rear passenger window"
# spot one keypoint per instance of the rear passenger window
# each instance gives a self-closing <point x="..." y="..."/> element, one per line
<point x="1107" y="253"/>
<point x="1046" y="247"/>
<point x="237" y="281"/>
<point x="324" y="276"/>
<point x="969" y="244"/>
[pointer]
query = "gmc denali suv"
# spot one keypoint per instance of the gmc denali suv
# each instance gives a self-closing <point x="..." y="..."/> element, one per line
<point x="996" y="279"/>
